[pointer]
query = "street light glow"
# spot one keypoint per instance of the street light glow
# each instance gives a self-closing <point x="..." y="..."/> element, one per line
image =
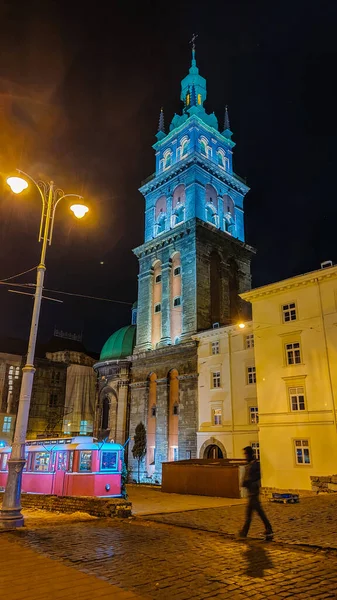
<point x="242" y="325"/>
<point x="17" y="184"/>
<point x="79" y="210"/>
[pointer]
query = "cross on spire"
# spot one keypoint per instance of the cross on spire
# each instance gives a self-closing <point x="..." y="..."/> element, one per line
<point x="194" y="37"/>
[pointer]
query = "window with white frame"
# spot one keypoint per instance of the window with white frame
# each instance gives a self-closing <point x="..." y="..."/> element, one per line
<point x="216" y="379"/>
<point x="217" y="416"/>
<point x="253" y="415"/>
<point x="289" y="312"/>
<point x="6" y="427"/>
<point x="256" y="450"/>
<point x="293" y="353"/>
<point x="249" y="341"/>
<point x="251" y="375"/>
<point x="216" y="347"/>
<point x="157" y="307"/>
<point x="177" y="301"/>
<point x="297" y="398"/>
<point x="83" y="427"/>
<point x="302" y="452"/>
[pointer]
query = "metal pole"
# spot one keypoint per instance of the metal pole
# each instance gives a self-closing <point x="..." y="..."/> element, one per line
<point x="10" y="514"/>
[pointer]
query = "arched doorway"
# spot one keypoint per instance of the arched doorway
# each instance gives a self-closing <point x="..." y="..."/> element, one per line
<point x="213" y="452"/>
<point x="105" y="413"/>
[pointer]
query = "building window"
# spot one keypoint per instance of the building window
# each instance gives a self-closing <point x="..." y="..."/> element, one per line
<point x="216" y="347"/>
<point x="289" y="312"/>
<point x="217" y="416"/>
<point x="176" y="409"/>
<point x="177" y="301"/>
<point x="83" y="427"/>
<point x="293" y="353"/>
<point x="176" y="271"/>
<point x="158" y="278"/>
<point x="153" y="411"/>
<point x="216" y="380"/>
<point x="199" y="98"/>
<point x="250" y="340"/>
<point x="253" y="415"/>
<point x="157" y="308"/>
<point x="297" y="400"/>
<point x="256" y="450"/>
<point x="251" y="375"/>
<point x="52" y="400"/>
<point x="7" y="424"/>
<point x="302" y="452"/>
<point x="175" y="452"/>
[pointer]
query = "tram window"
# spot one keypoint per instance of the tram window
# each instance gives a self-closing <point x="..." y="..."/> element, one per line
<point x="109" y="461"/>
<point x="41" y="462"/>
<point x="71" y="459"/>
<point x="4" y="462"/>
<point x="85" y="461"/>
<point x="26" y="467"/>
<point x="62" y="461"/>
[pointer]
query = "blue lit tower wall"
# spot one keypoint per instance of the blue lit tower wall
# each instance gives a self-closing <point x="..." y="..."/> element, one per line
<point x="194" y="260"/>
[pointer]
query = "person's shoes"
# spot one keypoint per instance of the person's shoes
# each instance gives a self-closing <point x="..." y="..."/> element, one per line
<point x="242" y="535"/>
<point x="268" y="536"/>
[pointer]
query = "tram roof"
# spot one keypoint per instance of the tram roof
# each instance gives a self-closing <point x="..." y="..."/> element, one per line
<point x="80" y="442"/>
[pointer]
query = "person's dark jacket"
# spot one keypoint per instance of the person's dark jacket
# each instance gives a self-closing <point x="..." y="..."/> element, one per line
<point x="252" y="478"/>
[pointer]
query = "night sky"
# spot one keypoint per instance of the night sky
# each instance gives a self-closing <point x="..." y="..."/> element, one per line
<point x="81" y="86"/>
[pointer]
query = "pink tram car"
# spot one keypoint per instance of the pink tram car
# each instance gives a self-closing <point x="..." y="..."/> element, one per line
<point x="78" y="466"/>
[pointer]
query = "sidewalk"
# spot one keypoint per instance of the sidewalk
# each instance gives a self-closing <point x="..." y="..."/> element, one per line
<point x="27" y="575"/>
<point x="311" y="523"/>
<point x="148" y="500"/>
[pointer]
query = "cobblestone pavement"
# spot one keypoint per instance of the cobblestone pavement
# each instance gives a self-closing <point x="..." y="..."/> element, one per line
<point x="163" y="562"/>
<point x="313" y="521"/>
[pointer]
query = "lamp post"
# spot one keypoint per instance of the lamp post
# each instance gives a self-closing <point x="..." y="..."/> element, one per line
<point x="10" y="514"/>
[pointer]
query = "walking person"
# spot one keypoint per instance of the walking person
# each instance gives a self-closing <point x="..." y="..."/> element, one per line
<point x="252" y="482"/>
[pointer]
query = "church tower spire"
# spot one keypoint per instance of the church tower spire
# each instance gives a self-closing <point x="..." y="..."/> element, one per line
<point x="161" y="126"/>
<point x="227" y="128"/>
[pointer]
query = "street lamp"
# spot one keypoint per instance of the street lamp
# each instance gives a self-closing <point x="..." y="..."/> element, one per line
<point x="10" y="513"/>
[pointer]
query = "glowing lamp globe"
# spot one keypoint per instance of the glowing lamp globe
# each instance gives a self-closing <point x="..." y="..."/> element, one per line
<point x="79" y="210"/>
<point x="242" y="325"/>
<point x="17" y="184"/>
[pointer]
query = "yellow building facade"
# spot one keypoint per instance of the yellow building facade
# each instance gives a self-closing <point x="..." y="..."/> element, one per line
<point x="295" y="333"/>
<point x="227" y="403"/>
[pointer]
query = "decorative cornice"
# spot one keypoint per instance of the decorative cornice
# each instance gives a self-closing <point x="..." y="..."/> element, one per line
<point x="195" y="158"/>
<point x="299" y="281"/>
<point x="179" y="232"/>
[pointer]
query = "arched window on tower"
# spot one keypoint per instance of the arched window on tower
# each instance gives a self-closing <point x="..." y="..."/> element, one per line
<point x="176" y="298"/>
<point x="204" y="147"/>
<point x="160" y="216"/>
<point x="222" y="159"/>
<point x="215" y="285"/>
<point x="173" y="425"/>
<point x="211" y="206"/>
<point x="167" y="159"/>
<point x="229" y="215"/>
<point x="178" y="205"/>
<point x="182" y="149"/>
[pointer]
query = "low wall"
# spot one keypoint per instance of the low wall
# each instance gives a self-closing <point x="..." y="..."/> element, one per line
<point x="325" y="483"/>
<point x="97" y="507"/>
<point x="203" y="477"/>
<point x="267" y="492"/>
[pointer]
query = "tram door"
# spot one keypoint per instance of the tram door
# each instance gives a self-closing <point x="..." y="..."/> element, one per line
<point x="61" y="467"/>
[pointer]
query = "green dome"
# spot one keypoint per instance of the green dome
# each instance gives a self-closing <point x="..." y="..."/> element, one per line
<point x="120" y="344"/>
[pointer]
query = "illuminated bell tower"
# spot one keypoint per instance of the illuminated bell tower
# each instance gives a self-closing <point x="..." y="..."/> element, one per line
<point x="194" y="261"/>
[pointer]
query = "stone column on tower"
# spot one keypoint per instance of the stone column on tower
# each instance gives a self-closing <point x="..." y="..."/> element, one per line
<point x="165" y="305"/>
